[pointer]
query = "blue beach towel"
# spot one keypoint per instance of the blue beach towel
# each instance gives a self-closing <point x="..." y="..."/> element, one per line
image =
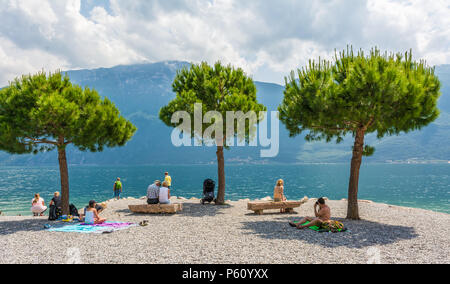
<point x="92" y="229"/>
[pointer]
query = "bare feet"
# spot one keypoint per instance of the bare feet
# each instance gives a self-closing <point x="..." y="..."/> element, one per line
<point x="298" y="226"/>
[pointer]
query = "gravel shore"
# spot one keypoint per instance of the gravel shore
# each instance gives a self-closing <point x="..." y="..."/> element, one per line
<point x="232" y="234"/>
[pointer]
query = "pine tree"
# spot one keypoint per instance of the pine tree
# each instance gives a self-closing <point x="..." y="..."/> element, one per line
<point x="218" y="88"/>
<point x="386" y="94"/>
<point x="39" y="113"/>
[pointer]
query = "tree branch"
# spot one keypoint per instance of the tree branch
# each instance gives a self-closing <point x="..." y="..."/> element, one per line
<point x="329" y="128"/>
<point x="369" y="124"/>
<point x="40" y="141"/>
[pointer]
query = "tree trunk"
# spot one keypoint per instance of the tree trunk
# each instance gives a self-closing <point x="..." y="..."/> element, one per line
<point x="221" y="175"/>
<point x="64" y="174"/>
<point x="358" y="149"/>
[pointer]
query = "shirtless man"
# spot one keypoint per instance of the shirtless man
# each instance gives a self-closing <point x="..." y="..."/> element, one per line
<point x="323" y="215"/>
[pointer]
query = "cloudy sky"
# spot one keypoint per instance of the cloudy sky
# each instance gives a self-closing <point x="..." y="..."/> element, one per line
<point x="267" y="38"/>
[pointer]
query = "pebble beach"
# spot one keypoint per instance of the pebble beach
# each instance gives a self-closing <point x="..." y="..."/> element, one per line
<point x="231" y="234"/>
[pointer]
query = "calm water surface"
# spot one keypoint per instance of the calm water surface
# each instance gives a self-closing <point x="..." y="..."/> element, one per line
<point x="421" y="186"/>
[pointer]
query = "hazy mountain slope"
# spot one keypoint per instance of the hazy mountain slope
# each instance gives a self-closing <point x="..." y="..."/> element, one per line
<point x="431" y="143"/>
<point x="443" y="73"/>
<point x="141" y="90"/>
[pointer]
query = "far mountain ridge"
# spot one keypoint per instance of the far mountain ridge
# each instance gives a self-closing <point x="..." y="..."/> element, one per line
<point x="140" y="90"/>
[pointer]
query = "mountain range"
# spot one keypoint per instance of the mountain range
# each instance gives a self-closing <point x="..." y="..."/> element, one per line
<point x="139" y="91"/>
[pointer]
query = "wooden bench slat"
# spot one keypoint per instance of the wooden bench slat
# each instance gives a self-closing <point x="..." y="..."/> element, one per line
<point x="156" y="208"/>
<point x="273" y="205"/>
<point x="259" y="206"/>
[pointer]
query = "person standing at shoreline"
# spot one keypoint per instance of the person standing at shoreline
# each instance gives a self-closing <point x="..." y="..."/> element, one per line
<point x="117" y="189"/>
<point x="168" y="179"/>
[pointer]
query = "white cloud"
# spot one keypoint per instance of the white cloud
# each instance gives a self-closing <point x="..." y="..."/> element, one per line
<point x="266" y="38"/>
<point x="15" y="61"/>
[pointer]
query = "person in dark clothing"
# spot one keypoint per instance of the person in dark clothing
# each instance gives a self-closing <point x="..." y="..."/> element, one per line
<point x="55" y="207"/>
<point x="56" y="200"/>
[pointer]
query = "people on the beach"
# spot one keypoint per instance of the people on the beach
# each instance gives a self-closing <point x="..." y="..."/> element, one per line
<point x="322" y="213"/>
<point x="91" y="215"/>
<point x="208" y="191"/>
<point x="278" y="192"/>
<point x="164" y="194"/>
<point x="56" y="200"/>
<point x="168" y="179"/>
<point x="55" y="207"/>
<point x="117" y="189"/>
<point x="153" y="192"/>
<point x="38" y="205"/>
<point x="98" y="207"/>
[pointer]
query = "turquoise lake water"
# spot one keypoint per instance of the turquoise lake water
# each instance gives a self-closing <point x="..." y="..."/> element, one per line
<point x="421" y="186"/>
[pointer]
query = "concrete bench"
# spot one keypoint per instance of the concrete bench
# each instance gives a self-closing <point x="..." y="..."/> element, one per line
<point x="156" y="208"/>
<point x="288" y="206"/>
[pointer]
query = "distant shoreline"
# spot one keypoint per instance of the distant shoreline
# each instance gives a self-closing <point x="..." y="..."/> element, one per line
<point x="431" y="162"/>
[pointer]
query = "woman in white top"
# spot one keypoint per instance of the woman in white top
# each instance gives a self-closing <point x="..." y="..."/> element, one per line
<point x="38" y="205"/>
<point x="164" y="194"/>
<point x="91" y="214"/>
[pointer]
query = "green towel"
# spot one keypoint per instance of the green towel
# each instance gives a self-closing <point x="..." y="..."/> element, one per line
<point x="318" y="229"/>
<point x="314" y="228"/>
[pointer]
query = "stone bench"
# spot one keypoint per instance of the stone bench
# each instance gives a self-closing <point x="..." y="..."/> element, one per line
<point x="288" y="206"/>
<point x="156" y="208"/>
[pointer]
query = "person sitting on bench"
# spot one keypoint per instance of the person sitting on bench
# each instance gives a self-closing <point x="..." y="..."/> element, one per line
<point x="153" y="193"/>
<point x="323" y="215"/>
<point x="164" y="194"/>
<point x="278" y="193"/>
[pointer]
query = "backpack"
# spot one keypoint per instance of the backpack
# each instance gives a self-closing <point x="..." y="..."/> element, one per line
<point x="333" y="226"/>
<point x="73" y="210"/>
<point x="54" y="213"/>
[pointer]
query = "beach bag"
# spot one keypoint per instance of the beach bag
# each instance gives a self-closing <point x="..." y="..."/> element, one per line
<point x="73" y="210"/>
<point x="333" y="226"/>
<point x="52" y="214"/>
